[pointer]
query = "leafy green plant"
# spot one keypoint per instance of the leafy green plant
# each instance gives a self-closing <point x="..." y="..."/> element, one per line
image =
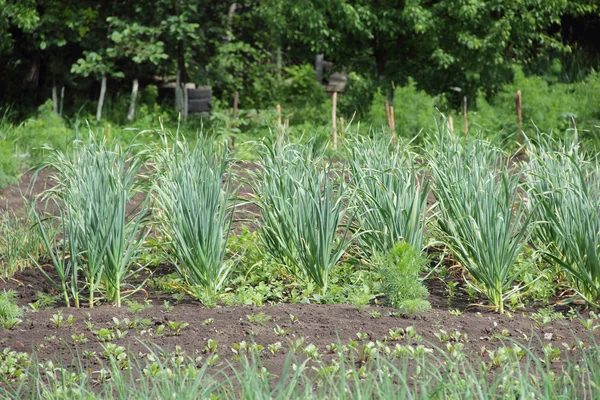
<point x="20" y="242"/>
<point x="10" y="312"/>
<point x="194" y="211"/>
<point x="390" y="201"/>
<point x="399" y="271"/>
<point x="260" y="318"/>
<point x="482" y="218"/>
<point x="94" y="185"/>
<point x="301" y="200"/>
<point x="564" y="193"/>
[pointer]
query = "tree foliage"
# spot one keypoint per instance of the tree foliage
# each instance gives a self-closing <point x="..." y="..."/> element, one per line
<point x="448" y="46"/>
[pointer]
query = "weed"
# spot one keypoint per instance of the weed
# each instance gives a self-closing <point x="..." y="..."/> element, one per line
<point x="260" y="318"/>
<point x="10" y="312"/>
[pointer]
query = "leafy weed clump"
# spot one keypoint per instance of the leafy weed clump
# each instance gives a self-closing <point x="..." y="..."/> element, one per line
<point x="10" y="312"/>
<point x="399" y="271"/>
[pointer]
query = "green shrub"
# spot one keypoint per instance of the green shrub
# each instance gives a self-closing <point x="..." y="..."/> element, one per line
<point x="399" y="271"/>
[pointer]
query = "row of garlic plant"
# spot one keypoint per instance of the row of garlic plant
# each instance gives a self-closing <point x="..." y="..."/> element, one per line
<point x="309" y="214"/>
<point x="312" y="210"/>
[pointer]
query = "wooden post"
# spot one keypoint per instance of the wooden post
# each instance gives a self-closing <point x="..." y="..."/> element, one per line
<point x="393" y="124"/>
<point x="465" y="116"/>
<point x="450" y="125"/>
<point x="286" y="125"/>
<point x="62" y="98"/>
<point x="573" y="125"/>
<point x="387" y="113"/>
<point x="518" y="103"/>
<point x="134" y="92"/>
<point x="333" y="119"/>
<point x="236" y="96"/>
<point x="278" y="121"/>
<point x="342" y="130"/>
<point x="234" y="115"/>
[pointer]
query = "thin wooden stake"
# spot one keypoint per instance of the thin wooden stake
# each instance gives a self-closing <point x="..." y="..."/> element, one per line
<point x="287" y="124"/>
<point x="465" y="116"/>
<point x="278" y="121"/>
<point x="387" y="113"/>
<point x="393" y="124"/>
<point x="518" y="103"/>
<point x="236" y="96"/>
<point x="333" y="119"/>
<point x="450" y="125"/>
<point x="573" y="125"/>
<point x="342" y="130"/>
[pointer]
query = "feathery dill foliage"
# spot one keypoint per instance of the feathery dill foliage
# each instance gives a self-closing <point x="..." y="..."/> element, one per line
<point x="193" y="195"/>
<point x="564" y="194"/>
<point x="390" y="201"/>
<point x="482" y="217"/>
<point x="95" y="183"/>
<point x="302" y="198"/>
<point x="399" y="270"/>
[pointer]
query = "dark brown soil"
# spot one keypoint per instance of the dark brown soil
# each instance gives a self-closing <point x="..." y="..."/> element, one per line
<point x="318" y="324"/>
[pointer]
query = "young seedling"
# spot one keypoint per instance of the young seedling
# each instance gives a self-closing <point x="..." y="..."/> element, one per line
<point x="136" y="307"/>
<point x="375" y="314"/>
<point x="455" y="312"/>
<point x="209" y="321"/>
<point x="274" y="347"/>
<point x="211" y="346"/>
<point x="177" y="327"/>
<point x="311" y="351"/>
<point x="79" y="338"/>
<point x="167" y="306"/>
<point x="279" y="331"/>
<point x="260" y="319"/>
<point x="57" y="319"/>
<point x="545" y="316"/>
<point x="451" y="289"/>
<point x="105" y="335"/>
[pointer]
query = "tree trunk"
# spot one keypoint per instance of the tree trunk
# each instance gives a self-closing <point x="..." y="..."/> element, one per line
<point x="54" y="96"/>
<point x="319" y="67"/>
<point x="178" y="92"/>
<point x="134" y="92"/>
<point x="62" y="99"/>
<point x="101" y="98"/>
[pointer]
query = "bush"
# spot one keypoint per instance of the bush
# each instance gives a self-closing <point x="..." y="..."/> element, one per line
<point x="401" y="284"/>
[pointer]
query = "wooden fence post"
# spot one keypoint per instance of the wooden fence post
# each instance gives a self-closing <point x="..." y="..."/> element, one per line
<point x="236" y="96"/>
<point x="278" y="121"/>
<point x="393" y="124"/>
<point x="450" y="125"/>
<point x="387" y="113"/>
<point x="465" y="116"/>
<point x="333" y="119"/>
